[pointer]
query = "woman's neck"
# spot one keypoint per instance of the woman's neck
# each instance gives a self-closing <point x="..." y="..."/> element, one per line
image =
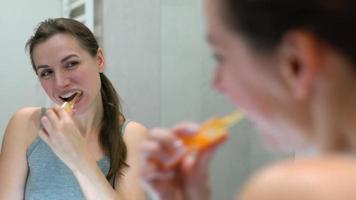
<point x="341" y="132"/>
<point x="89" y="122"/>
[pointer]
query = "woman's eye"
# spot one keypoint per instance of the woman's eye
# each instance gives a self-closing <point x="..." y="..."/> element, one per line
<point x="45" y="73"/>
<point x="218" y="58"/>
<point x="72" y="64"/>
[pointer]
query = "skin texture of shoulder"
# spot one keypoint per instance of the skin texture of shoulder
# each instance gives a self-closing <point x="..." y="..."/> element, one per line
<point x="20" y="132"/>
<point x="129" y="184"/>
<point x="326" y="178"/>
<point x="28" y="123"/>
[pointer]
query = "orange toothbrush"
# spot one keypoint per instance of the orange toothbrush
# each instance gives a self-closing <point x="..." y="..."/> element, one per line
<point x="68" y="105"/>
<point x="211" y="132"/>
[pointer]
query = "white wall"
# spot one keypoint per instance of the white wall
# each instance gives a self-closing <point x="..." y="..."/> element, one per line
<point x="132" y="47"/>
<point x="19" y="85"/>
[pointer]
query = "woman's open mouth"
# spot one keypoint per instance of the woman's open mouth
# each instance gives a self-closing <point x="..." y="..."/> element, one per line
<point x="70" y="96"/>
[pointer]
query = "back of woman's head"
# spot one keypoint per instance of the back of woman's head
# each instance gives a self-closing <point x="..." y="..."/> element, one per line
<point x="50" y="27"/>
<point x="265" y="22"/>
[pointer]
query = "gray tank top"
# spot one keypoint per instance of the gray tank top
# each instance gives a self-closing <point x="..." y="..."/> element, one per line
<point x="49" y="178"/>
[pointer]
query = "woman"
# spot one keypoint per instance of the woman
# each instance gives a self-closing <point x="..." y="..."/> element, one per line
<point x="290" y="66"/>
<point x="91" y="153"/>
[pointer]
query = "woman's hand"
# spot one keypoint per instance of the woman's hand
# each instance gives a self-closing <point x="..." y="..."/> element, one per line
<point x="64" y="138"/>
<point x="173" y="172"/>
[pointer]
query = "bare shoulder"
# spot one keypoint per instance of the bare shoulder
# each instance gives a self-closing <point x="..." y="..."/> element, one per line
<point x="135" y="131"/>
<point x="23" y="126"/>
<point x="304" y="179"/>
<point x="19" y="134"/>
<point x="129" y="186"/>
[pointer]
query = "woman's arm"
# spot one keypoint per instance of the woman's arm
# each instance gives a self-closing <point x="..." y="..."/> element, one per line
<point x="128" y="186"/>
<point x="13" y="160"/>
<point x="62" y="135"/>
<point x="170" y="171"/>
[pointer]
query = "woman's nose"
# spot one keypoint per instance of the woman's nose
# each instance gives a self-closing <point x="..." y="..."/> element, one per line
<point x="62" y="80"/>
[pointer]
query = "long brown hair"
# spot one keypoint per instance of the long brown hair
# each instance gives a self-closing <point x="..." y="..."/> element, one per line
<point x="110" y="137"/>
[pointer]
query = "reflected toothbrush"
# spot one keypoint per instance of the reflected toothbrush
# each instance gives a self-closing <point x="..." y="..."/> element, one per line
<point x="211" y="132"/>
<point x="68" y="105"/>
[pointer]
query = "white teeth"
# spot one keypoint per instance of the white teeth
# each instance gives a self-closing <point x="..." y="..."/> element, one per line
<point x="69" y="94"/>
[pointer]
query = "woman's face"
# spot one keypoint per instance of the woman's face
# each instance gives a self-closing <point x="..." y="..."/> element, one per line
<point x="252" y="81"/>
<point x="64" y="68"/>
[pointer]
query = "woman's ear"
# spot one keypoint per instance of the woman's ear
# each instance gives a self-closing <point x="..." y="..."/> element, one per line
<point x="100" y="60"/>
<point x="300" y="58"/>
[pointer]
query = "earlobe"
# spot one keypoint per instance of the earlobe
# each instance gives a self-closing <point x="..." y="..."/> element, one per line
<point x="101" y="60"/>
<point x="300" y="62"/>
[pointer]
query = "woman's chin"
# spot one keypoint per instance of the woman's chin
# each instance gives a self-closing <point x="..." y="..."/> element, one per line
<point x="278" y="147"/>
<point x="281" y="142"/>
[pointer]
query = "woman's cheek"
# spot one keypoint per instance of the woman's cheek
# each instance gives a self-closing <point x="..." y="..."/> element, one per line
<point x="45" y="85"/>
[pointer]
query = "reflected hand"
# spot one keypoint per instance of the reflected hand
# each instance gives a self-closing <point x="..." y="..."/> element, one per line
<point x="172" y="171"/>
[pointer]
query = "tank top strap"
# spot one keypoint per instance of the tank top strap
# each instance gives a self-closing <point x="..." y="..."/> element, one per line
<point x="37" y="140"/>
<point x="43" y="111"/>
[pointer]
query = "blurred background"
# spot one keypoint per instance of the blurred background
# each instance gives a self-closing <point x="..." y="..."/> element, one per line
<point x="158" y="60"/>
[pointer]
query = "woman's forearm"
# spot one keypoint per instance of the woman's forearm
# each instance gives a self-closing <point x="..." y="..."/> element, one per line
<point x="94" y="184"/>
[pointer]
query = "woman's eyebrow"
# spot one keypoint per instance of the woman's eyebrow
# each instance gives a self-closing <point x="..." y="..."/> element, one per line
<point x="62" y="61"/>
<point x="41" y="66"/>
<point x="68" y="57"/>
